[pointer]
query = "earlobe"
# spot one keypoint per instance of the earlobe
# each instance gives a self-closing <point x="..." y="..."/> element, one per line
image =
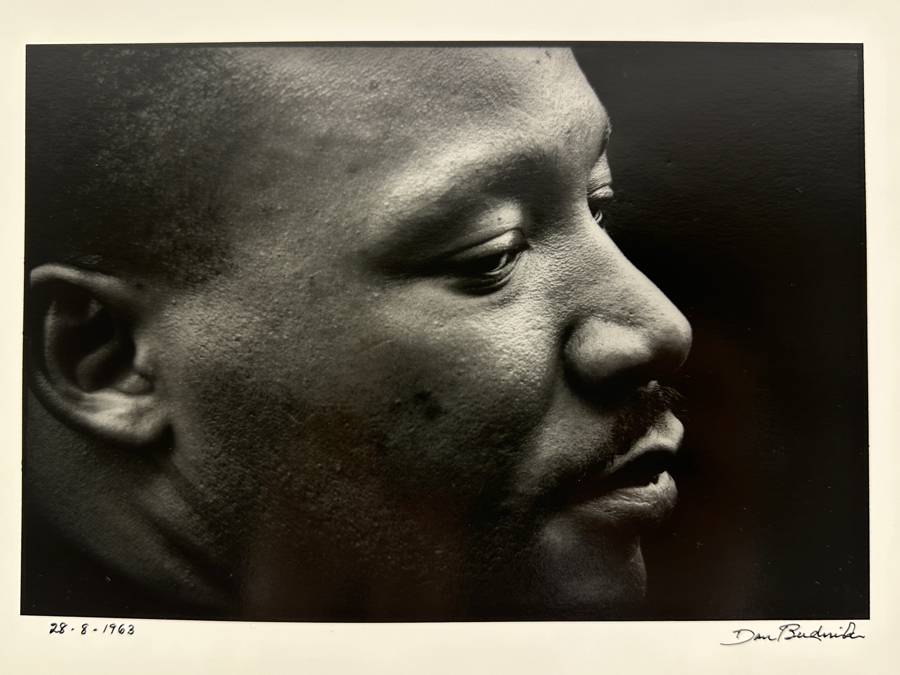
<point x="90" y="359"/>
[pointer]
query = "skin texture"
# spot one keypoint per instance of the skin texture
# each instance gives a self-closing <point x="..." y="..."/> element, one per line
<point x="376" y="407"/>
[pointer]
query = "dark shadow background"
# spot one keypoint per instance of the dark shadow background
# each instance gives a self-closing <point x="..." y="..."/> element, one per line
<point x="740" y="179"/>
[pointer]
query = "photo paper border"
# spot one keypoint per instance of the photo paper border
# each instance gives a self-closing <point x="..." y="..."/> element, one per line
<point x="570" y="647"/>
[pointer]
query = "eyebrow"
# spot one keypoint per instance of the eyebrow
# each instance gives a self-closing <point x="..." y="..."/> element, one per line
<point x="456" y="192"/>
<point x="454" y="200"/>
<point x="604" y="138"/>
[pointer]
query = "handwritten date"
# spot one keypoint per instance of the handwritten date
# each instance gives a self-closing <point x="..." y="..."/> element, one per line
<point x="61" y="627"/>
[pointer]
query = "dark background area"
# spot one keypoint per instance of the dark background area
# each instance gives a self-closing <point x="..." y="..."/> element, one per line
<point x="739" y="172"/>
<point x="740" y="191"/>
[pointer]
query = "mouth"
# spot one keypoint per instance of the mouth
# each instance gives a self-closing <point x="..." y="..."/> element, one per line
<point x="636" y="488"/>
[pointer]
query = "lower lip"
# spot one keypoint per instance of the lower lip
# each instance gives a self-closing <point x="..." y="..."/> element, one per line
<point x="638" y="504"/>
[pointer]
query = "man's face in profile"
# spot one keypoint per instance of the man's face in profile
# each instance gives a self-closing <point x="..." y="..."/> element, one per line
<point x="424" y="384"/>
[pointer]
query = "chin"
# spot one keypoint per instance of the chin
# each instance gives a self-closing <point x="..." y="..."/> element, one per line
<point x="590" y="575"/>
<point x="569" y="574"/>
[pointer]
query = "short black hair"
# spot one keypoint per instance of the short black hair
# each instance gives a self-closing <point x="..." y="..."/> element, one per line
<point x="128" y="152"/>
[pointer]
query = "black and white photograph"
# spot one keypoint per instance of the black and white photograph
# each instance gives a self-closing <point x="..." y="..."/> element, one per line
<point x="532" y="336"/>
<point x="404" y="333"/>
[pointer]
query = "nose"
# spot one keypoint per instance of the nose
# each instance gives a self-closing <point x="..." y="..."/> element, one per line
<point x="624" y="330"/>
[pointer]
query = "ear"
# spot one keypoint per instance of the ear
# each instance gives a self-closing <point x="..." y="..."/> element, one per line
<point x="90" y="354"/>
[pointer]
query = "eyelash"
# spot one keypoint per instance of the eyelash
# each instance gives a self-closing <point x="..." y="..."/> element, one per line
<point x="487" y="273"/>
<point x="596" y="199"/>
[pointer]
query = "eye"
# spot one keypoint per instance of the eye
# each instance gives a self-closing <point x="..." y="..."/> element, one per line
<point x="597" y="198"/>
<point x="488" y="266"/>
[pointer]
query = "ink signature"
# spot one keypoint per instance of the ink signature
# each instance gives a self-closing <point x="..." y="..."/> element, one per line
<point x="794" y="631"/>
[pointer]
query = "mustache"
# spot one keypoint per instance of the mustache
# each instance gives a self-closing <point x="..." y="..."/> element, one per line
<point x="635" y="412"/>
<point x="638" y="411"/>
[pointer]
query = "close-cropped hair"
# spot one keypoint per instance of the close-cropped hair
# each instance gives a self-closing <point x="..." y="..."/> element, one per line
<point x="129" y="152"/>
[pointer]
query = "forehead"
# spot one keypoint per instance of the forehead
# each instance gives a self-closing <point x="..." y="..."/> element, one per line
<point x="349" y="128"/>
<point x="424" y="85"/>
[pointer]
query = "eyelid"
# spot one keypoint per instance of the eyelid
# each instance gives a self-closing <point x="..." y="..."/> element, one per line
<point x="598" y="197"/>
<point x="511" y="240"/>
<point x="487" y="267"/>
<point x="600" y="193"/>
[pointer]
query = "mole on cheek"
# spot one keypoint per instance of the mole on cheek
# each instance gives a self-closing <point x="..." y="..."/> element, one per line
<point x="429" y="405"/>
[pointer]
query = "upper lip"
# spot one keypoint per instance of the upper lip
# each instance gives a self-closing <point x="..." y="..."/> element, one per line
<point x="651" y="455"/>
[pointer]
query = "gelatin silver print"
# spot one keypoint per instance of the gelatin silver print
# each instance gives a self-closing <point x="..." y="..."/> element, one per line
<point x="445" y="332"/>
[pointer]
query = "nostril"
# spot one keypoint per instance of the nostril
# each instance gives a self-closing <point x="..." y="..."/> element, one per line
<point x="598" y="351"/>
<point x="623" y="330"/>
<point x="602" y="356"/>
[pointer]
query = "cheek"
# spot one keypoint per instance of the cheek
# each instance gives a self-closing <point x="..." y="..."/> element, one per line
<point x="445" y="392"/>
<point x="453" y="402"/>
<point x="386" y="399"/>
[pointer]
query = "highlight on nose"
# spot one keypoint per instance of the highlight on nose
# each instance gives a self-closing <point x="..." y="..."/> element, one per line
<point x="600" y="350"/>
